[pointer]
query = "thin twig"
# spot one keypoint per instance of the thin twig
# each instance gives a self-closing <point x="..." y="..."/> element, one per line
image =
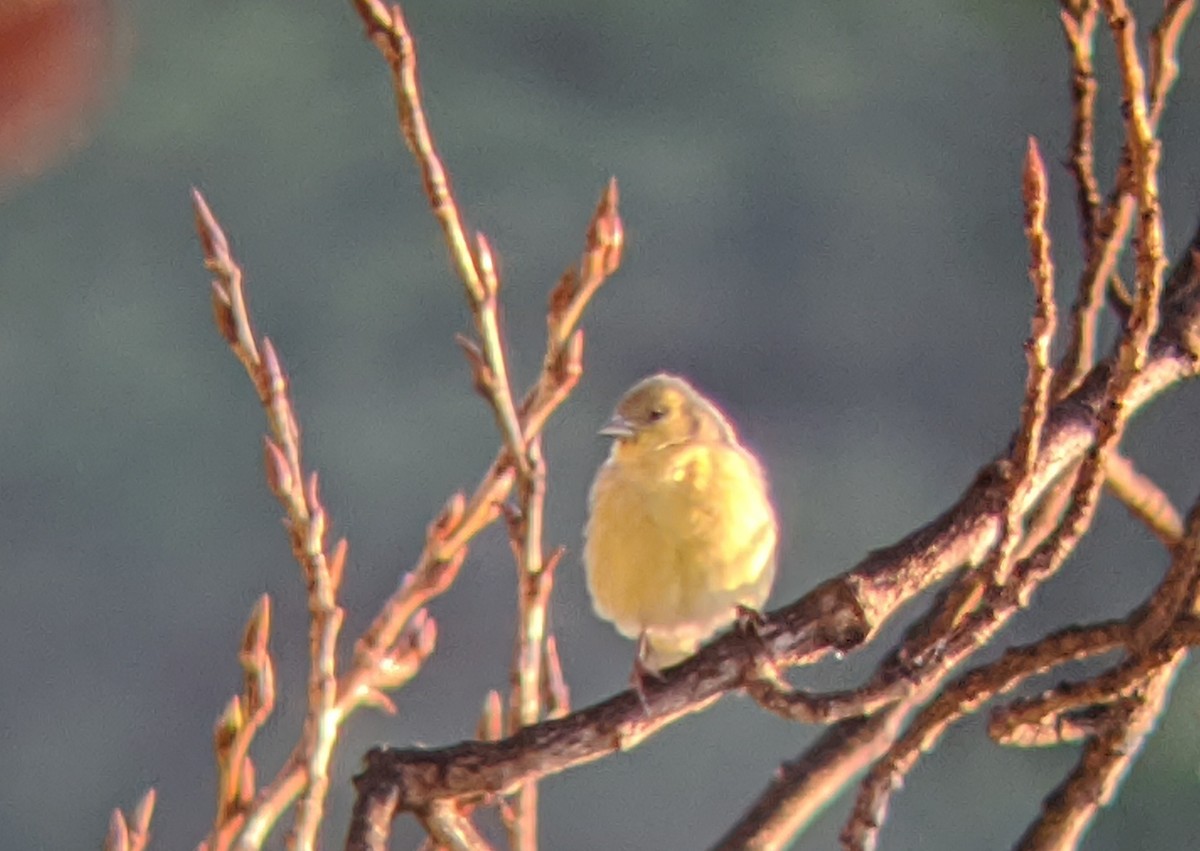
<point x="1047" y="557"/>
<point x="477" y="270"/>
<point x="239" y="723"/>
<point x="1070" y="809"/>
<point x="298" y="493"/>
<point x="1145" y="500"/>
<point x="963" y="697"/>
<point x="1178" y="589"/>
<point x="1041" y="720"/>
<point x="1039" y="372"/>
<point x="801" y="789"/>
<point x="132" y="834"/>
<point x="1079" y="25"/>
<point x="1111" y="224"/>
<point x="526" y="674"/>
<point x="452" y="829"/>
<point x="306" y="770"/>
<point x="444" y="550"/>
<point x="890" y="684"/>
<point x="519" y="463"/>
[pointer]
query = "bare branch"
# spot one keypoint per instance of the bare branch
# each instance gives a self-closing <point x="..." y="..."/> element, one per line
<point x="452" y="829"/>
<point x="1070" y="809"/>
<point x="838" y="615"/>
<point x="960" y="699"/>
<point x="1144" y="499"/>
<point x="298" y="493"/>
<point x="134" y="834"/>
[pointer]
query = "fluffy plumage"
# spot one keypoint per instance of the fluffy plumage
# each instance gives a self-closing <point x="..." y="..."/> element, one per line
<point x="681" y="530"/>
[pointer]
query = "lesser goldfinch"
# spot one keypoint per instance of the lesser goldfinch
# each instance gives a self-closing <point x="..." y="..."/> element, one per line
<point x="681" y="532"/>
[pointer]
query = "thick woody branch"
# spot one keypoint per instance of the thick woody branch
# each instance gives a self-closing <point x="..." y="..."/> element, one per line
<point x="838" y="615"/>
<point x="1043" y="720"/>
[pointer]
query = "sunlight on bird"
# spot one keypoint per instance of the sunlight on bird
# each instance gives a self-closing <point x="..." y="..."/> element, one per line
<point x="681" y="531"/>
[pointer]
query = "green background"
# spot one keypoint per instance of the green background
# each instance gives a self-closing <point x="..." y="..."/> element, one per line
<point x="824" y="232"/>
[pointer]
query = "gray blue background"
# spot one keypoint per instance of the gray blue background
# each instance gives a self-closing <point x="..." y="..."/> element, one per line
<point x="824" y="232"/>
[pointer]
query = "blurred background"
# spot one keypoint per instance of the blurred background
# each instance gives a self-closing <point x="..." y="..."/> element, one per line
<point x="824" y="232"/>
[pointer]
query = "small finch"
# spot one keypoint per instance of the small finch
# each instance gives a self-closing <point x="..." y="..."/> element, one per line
<point x="681" y="532"/>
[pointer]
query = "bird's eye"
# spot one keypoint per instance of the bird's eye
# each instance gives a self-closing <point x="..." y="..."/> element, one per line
<point x="656" y="414"/>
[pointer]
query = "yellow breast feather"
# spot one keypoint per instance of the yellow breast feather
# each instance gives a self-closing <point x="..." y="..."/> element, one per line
<point x="681" y="530"/>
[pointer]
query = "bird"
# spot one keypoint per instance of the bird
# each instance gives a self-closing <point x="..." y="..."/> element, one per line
<point x="681" y="534"/>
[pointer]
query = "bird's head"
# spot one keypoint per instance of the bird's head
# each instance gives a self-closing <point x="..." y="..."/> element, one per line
<point x="664" y="410"/>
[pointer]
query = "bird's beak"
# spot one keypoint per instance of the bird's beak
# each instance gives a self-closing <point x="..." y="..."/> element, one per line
<point x="618" y="426"/>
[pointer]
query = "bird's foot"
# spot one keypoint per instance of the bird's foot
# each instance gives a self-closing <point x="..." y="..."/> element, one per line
<point x="750" y="622"/>
<point x="643" y="672"/>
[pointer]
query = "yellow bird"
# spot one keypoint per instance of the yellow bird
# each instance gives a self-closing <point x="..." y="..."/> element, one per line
<point x="681" y="532"/>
